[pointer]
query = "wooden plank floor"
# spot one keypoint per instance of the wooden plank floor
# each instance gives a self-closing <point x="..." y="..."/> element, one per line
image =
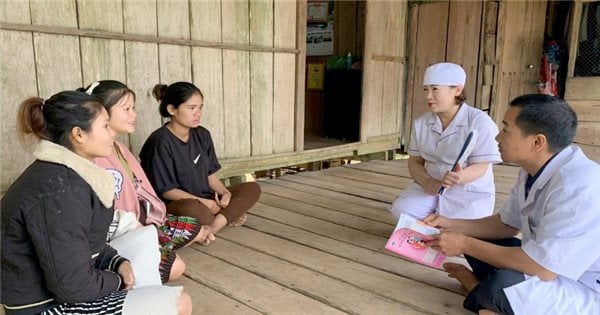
<point x="314" y="244"/>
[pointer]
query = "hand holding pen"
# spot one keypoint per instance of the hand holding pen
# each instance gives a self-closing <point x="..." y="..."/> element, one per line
<point x="451" y="178"/>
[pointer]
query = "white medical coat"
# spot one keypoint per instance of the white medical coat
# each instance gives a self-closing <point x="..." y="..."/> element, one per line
<point x="560" y="222"/>
<point x="440" y="148"/>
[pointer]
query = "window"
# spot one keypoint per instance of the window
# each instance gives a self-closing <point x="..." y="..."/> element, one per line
<point x="587" y="63"/>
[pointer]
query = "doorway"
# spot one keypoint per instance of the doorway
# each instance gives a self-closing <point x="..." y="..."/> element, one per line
<point x="335" y="39"/>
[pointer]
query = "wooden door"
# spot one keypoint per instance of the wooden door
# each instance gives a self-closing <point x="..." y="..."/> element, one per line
<point x="384" y="68"/>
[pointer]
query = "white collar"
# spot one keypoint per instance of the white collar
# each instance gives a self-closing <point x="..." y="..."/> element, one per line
<point x="101" y="181"/>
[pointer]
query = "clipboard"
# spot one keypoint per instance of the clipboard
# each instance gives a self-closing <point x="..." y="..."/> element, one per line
<point x="465" y="151"/>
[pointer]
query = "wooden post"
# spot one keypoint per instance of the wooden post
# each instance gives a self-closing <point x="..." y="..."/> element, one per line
<point x="236" y="180"/>
<point x="314" y="166"/>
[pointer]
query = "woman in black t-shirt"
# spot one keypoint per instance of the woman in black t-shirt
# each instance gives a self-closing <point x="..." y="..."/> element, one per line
<point x="180" y="161"/>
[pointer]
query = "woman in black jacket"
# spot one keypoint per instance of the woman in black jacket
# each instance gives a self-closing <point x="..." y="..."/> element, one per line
<point x="55" y="219"/>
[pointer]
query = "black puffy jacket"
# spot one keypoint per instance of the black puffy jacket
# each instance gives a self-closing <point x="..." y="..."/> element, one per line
<point x="54" y="225"/>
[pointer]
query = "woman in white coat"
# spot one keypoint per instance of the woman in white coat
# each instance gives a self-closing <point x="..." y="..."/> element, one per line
<point x="436" y="140"/>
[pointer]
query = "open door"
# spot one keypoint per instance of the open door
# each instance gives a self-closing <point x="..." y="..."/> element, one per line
<point x="333" y="88"/>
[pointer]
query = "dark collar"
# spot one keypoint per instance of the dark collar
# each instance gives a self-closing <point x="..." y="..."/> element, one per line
<point x="531" y="179"/>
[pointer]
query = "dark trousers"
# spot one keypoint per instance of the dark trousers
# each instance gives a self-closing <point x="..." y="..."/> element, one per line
<point x="243" y="197"/>
<point x="489" y="294"/>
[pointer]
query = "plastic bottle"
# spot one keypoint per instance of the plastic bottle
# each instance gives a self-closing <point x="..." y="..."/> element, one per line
<point x="349" y="61"/>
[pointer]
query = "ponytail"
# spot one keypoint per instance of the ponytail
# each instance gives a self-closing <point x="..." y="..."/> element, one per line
<point x="30" y="118"/>
<point x="54" y="118"/>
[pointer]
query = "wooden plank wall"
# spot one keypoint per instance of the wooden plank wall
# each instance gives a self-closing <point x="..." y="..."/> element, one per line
<point x="242" y="54"/>
<point x="433" y="42"/>
<point x="141" y="67"/>
<point x="458" y="37"/>
<point x="384" y="69"/>
<point x="101" y="59"/>
<point x="57" y="57"/>
<point x="487" y="56"/>
<point x="520" y="42"/>
<point x="284" y="79"/>
<point x="428" y="46"/>
<point x="16" y="54"/>
<point x="261" y="78"/>
<point x="236" y="79"/>
<point x="207" y="68"/>
<point x="464" y="29"/>
<point x="584" y="100"/>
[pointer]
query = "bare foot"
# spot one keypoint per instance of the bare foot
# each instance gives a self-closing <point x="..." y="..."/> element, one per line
<point x="205" y="242"/>
<point x="240" y="221"/>
<point x="462" y="274"/>
<point x="205" y="236"/>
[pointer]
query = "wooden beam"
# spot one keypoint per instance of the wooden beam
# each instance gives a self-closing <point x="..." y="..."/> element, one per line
<point x="411" y="52"/>
<point x="399" y="59"/>
<point x="57" y="30"/>
<point x="284" y="75"/>
<point x="300" y="74"/>
<point x="238" y="166"/>
<point x="491" y="17"/>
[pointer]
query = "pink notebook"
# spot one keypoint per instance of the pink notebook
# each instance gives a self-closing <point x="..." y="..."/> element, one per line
<point x="411" y="244"/>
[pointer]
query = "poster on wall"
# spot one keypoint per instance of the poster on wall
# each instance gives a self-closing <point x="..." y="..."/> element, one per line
<point x="317" y="11"/>
<point x="315" y="77"/>
<point x="319" y="28"/>
<point x="319" y="40"/>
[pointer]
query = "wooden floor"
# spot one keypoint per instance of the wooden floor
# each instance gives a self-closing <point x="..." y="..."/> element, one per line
<point x="314" y="244"/>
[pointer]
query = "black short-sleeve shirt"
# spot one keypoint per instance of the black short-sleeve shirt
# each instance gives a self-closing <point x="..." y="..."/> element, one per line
<point x="171" y="163"/>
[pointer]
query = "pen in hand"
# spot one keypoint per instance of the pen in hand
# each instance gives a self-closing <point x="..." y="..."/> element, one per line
<point x="465" y="151"/>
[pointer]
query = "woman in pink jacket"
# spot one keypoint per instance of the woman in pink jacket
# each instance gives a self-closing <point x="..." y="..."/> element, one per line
<point x="135" y="200"/>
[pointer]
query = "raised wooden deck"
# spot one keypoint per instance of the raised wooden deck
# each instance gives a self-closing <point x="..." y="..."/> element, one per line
<point x="314" y="244"/>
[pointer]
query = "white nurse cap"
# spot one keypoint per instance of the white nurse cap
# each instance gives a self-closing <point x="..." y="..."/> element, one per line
<point x="445" y="73"/>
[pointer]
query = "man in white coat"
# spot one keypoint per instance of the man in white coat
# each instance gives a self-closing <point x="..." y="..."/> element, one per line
<point x="555" y="268"/>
